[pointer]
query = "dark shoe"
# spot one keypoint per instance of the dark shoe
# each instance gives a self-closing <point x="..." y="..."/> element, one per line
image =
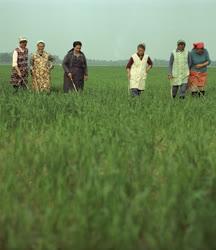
<point x="134" y="92"/>
<point x="194" y="94"/>
<point x="201" y="93"/>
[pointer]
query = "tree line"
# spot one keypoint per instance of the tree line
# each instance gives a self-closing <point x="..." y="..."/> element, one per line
<point x="6" y="58"/>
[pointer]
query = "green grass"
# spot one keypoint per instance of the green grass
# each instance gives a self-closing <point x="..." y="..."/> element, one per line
<point x="103" y="171"/>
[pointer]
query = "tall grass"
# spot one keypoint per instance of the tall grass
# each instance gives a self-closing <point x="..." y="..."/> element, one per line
<point x="105" y="171"/>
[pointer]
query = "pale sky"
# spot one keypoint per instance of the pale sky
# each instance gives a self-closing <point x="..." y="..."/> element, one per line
<point x="109" y="29"/>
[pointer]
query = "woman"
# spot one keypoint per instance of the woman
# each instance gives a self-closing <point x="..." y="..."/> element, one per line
<point x="75" y="68"/>
<point x="41" y="65"/>
<point x="19" y="77"/>
<point x="198" y="76"/>
<point x="179" y="69"/>
<point x="137" y="69"/>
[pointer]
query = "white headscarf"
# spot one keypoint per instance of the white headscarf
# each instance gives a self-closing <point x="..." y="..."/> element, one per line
<point x="22" y="39"/>
<point x="40" y="41"/>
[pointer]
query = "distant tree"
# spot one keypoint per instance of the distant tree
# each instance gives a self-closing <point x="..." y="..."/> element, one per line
<point x="5" y="58"/>
<point x="56" y="59"/>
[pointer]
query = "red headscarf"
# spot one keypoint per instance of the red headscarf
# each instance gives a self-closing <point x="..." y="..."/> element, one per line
<point x="199" y="45"/>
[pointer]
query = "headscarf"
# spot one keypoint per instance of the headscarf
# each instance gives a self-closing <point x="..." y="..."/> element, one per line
<point x="22" y="39"/>
<point x="40" y="41"/>
<point x="199" y="45"/>
<point x="181" y="41"/>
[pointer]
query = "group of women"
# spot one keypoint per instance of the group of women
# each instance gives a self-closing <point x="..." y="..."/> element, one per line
<point x="187" y="70"/>
<point x="41" y="64"/>
<point x="40" y="67"/>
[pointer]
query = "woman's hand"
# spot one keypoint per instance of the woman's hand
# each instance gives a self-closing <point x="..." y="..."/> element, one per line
<point x="148" y="68"/>
<point x="51" y="67"/>
<point x="70" y="75"/>
<point x="170" y="77"/>
<point x="18" y="72"/>
<point x="86" y="78"/>
<point x="199" y="66"/>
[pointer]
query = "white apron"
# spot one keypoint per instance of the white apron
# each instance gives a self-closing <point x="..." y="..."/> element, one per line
<point x="138" y="72"/>
<point x="180" y="69"/>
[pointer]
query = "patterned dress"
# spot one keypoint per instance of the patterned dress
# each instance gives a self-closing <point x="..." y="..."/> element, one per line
<point x="41" y="64"/>
<point x="22" y="64"/>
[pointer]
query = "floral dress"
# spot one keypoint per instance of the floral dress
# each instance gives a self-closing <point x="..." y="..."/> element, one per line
<point x="41" y="65"/>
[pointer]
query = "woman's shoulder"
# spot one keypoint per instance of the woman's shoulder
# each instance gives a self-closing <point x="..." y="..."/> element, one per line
<point x="193" y="52"/>
<point x="134" y="56"/>
<point x="205" y="51"/>
<point x="47" y="54"/>
<point x="82" y="54"/>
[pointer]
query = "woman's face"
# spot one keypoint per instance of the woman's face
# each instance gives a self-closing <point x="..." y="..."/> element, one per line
<point x="23" y="44"/>
<point x="77" y="49"/>
<point x="181" y="46"/>
<point x="200" y="51"/>
<point x="140" y="51"/>
<point x="41" y="47"/>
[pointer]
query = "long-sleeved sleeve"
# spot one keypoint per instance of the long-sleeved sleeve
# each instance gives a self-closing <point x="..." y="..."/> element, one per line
<point x="32" y="62"/>
<point x="130" y="63"/>
<point x="51" y="61"/>
<point x="14" y="60"/>
<point x="171" y="61"/>
<point x="85" y="65"/>
<point x="65" y="63"/>
<point x="208" y="57"/>
<point x="189" y="60"/>
<point x="150" y="62"/>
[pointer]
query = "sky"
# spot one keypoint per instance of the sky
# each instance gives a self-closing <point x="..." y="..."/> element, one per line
<point x="108" y="29"/>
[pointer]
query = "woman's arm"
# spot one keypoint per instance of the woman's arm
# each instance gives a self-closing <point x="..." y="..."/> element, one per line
<point x="189" y="60"/>
<point x="128" y="67"/>
<point x="170" y="69"/>
<point x="85" y="67"/>
<point x="65" y="64"/>
<point x="208" y="58"/>
<point x="31" y="64"/>
<point x="14" y="63"/>
<point x="129" y="73"/>
<point x="206" y="63"/>
<point x="150" y="64"/>
<point x="202" y="65"/>
<point x="50" y="62"/>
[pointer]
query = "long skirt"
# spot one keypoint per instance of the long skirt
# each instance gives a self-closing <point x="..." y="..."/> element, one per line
<point x="41" y="80"/>
<point x="17" y="80"/>
<point x="78" y="80"/>
<point x="197" y="80"/>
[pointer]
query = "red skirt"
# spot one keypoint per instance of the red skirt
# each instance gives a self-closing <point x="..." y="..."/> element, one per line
<point x="198" y="79"/>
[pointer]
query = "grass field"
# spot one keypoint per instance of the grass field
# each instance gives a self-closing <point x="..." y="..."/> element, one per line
<point x="104" y="171"/>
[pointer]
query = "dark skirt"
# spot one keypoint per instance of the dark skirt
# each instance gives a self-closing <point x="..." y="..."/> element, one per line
<point x="19" y="81"/>
<point x="78" y="80"/>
